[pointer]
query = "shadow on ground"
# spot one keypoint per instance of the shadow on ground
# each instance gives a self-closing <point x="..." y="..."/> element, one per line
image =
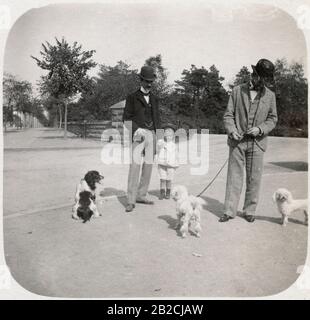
<point x="154" y="193"/>
<point x="172" y="223"/>
<point x="214" y="206"/>
<point x="120" y="194"/>
<point x="12" y="131"/>
<point x="50" y="129"/>
<point x="293" y="165"/>
<point x="278" y="220"/>
<point x="57" y="137"/>
<point x="217" y="208"/>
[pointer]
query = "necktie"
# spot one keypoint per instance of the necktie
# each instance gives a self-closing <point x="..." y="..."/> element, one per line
<point x="145" y="94"/>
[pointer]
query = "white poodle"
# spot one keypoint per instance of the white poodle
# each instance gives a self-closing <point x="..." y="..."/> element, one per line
<point x="287" y="204"/>
<point x="188" y="209"/>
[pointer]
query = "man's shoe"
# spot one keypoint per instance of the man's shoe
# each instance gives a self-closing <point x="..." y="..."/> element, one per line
<point x="249" y="218"/>
<point x="130" y="207"/>
<point x="144" y="201"/>
<point x="225" y="218"/>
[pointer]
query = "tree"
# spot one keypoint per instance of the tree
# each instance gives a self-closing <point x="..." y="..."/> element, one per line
<point x="112" y="85"/>
<point x="67" y="67"/>
<point x="243" y="76"/>
<point x="214" y="101"/>
<point x="191" y="86"/>
<point x="17" y="98"/>
<point x="291" y="89"/>
<point x="203" y="96"/>
<point x="55" y="107"/>
<point x="161" y="87"/>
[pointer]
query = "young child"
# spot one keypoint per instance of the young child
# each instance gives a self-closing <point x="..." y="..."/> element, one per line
<point x="167" y="160"/>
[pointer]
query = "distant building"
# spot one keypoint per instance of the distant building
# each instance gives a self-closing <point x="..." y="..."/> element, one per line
<point x="117" y="110"/>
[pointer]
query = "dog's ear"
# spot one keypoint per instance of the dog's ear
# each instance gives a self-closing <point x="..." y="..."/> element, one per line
<point x="90" y="180"/>
<point x="274" y="197"/>
<point x="87" y="175"/>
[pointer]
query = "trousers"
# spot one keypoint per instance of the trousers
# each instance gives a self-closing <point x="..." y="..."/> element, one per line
<point x="140" y="170"/>
<point x="244" y="157"/>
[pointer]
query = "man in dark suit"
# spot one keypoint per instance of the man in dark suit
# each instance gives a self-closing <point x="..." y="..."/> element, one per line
<point x="250" y="115"/>
<point x="142" y="112"/>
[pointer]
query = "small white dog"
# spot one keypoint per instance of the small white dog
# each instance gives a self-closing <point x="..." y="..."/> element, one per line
<point x="188" y="209"/>
<point x="287" y="204"/>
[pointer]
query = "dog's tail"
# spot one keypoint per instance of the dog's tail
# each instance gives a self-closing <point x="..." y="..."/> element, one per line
<point x="197" y="201"/>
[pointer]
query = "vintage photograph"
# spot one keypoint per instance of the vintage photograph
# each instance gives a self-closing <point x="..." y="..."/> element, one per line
<point x="155" y="150"/>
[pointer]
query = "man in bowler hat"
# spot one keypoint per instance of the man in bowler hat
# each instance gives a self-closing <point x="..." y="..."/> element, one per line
<point x="142" y="111"/>
<point x="250" y="115"/>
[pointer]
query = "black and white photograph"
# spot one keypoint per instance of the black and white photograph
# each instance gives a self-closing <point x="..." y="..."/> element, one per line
<point x="155" y="149"/>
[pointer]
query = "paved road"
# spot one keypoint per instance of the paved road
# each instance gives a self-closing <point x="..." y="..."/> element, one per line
<point x="140" y="254"/>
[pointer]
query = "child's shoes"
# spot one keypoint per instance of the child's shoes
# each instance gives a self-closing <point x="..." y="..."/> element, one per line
<point x="167" y="194"/>
<point x="162" y="194"/>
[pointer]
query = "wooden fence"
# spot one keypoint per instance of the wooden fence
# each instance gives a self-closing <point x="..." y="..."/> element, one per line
<point x="88" y="129"/>
<point x="21" y="121"/>
<point x="95" y="129"/>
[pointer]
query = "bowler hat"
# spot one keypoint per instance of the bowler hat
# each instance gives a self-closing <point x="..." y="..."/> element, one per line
<point x="147" y="73"/>
<point x="264" y="68"/>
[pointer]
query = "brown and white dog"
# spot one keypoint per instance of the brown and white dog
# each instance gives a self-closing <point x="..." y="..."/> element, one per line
<point x="287" y="204"/>
<point x="85" y="197"/>
<point x="188" y="209"/>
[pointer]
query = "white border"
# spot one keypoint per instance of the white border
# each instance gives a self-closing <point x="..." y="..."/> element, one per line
<point x="298" y="9"/>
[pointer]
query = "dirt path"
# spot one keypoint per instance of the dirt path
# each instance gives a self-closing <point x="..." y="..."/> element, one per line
<point x="140" y="254"/>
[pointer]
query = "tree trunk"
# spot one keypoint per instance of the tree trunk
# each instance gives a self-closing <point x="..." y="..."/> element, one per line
<point x="60" y="116"/>
<point x="66" y="113"/>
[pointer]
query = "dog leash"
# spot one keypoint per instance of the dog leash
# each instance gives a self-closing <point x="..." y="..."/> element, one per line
<point x="210" y="183"/>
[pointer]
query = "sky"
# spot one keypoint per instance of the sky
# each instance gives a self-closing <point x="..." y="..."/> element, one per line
<point x="228" y="37"/>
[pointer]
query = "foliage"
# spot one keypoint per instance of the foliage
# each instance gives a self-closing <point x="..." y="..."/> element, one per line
<point x="292" y="94"/>
<point x="67" y="67"/>
<point x="161" y="87"/>
<point x="111" y="85"/>
<point x="18" y="97"/>
<point x="197" y="100"/>
<point x="243" y="76"/>
<point x="200" y="93"/>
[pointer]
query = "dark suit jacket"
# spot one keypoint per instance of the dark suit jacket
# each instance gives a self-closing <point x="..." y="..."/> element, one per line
<point x="236" y="114"/>
<point x="134" y="110"/>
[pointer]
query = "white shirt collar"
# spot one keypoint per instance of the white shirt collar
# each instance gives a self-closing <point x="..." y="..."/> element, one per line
<point x="143" y="90"/>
